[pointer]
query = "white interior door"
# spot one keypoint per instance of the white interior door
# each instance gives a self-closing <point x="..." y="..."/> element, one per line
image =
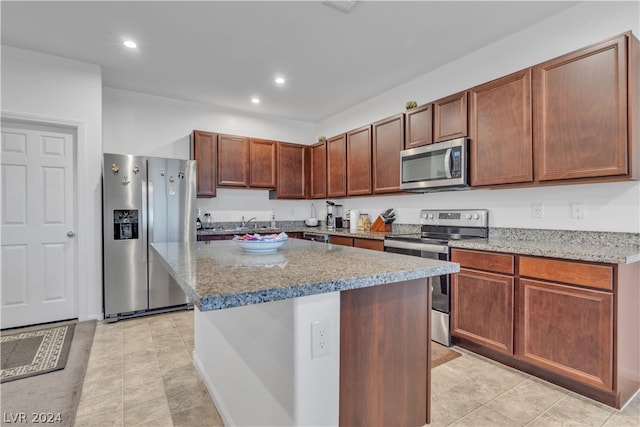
<point x="38" y="249"/>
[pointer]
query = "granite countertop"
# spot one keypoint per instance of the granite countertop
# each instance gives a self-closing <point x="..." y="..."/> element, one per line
<point x="218" y="274"/>
<point x="376" y="235"/>
<point x="605" y="247"/>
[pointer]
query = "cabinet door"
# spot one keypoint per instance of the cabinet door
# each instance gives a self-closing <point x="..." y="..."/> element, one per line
<point x="580" y="113"/>
<point x="359" y="161"/>
<point x="262" y="163"/>
<point x="388" y="141"/>
<point x="291" y="171"/>
<point x="567" y="330"/>
<point x="205" y="153"/>
<point x="419" y="126"/>
<point x="482" y="309"/>
<point x="450" y="117"/>
<point x="233" y="161"/>
<point x="337" y="166"/>
<point x="318" y="171"/>
<point x="500" y="131"/>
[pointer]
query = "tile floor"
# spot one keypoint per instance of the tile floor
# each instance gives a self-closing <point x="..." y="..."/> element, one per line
<point x="140" y="374"/>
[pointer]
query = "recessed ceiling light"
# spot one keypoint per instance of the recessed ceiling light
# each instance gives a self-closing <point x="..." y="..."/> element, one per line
<point x="130" y="44"/>
<point x="280" y="80"/>
<point x="255" y="100"/>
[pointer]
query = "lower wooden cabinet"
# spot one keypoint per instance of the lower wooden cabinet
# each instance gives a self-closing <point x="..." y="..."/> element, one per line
<point x="572" y="323"/>
<point x="341" y="240"/>
<point x="483" y="309"/>
<point x="358" y="242"/>
<point x="567" y="330"/>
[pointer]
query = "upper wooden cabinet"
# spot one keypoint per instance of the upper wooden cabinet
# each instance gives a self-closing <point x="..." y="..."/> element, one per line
<point x="500" y="131"/>
<point x="419" y="126"/>
<point x="246" y="162"/>
<point x="233" y="161"/>
<point x="204" y="151"/>
<point x="450" y="117"/>
<point x="388" y="141"/>
<point x="580" y="112"/>
<point x="318" y="171"/>
<point x="291" y="171"/>
<point x="337" y="166"/>
<point x="359" y="161"/>
<point x="262" y="163"/>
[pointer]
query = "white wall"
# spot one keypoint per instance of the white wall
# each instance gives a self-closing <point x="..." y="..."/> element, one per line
<point x="55" y="90"/>
<point x="610" y="207"/>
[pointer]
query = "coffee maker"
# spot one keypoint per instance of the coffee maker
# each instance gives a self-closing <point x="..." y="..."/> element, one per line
<point x="330" y="215"/>
<point x="337" y="215"/>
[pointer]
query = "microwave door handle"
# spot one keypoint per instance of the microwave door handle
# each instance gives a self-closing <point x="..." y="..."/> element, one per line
<point x="447" y="163"/>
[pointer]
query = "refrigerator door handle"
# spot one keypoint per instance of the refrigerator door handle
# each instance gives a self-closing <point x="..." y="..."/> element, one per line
<point x="145" y="218"/>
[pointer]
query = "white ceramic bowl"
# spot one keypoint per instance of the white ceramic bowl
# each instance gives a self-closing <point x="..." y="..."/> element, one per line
<point x="260" y="246"/>
<point x="311" y="222"/>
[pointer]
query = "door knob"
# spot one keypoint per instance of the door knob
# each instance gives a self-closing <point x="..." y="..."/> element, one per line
<point x="70" y="233"/>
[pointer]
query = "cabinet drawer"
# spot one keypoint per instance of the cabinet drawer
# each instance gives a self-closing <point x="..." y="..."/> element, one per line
<point x="341" y="240"/>
<point x="489" y="261"/>
<point x="377" y="245"/>
<point x="571" y="272"/>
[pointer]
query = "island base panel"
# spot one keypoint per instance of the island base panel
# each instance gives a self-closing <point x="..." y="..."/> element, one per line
<point x="385" y="355"/>
<point x="256" y="362"/>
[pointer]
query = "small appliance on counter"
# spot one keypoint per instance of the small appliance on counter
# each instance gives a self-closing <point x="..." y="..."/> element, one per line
<point x="312" y="221"/>
<point x="330" y="215"/>
<point x="338" y="216"/>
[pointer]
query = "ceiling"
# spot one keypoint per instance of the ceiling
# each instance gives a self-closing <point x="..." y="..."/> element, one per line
<point x="222" y="53"/>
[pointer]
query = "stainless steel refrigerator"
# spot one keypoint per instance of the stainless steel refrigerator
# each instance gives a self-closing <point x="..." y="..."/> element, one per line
<point x="145" y="200"/>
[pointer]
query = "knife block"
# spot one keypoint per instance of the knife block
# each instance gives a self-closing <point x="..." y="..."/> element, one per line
<point x="379" y="225"/>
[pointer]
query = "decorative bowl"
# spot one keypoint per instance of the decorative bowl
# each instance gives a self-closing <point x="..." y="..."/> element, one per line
<point x="311" y="222"/>
<point x="261" y="245"/>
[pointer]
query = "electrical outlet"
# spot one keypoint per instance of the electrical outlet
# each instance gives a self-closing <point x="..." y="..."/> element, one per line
<point x="577" y="210"/>
<point x="537" y="210"/>
<point x="320" y="336"/>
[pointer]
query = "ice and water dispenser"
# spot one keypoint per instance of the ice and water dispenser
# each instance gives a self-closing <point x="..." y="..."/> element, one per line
<point x="125" y="224"/>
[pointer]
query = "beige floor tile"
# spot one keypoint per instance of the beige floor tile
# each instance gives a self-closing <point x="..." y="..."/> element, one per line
<point x="100" y="407"/>
<point x="484" y="416"/>
<point x="104" y="419"/>
<point x="103" y="386"/>
<point x="143" y="391"/>
<point x="141" y="376"/>
<point x="188" y="398"/>
<point x="144" y="412"/>
<point x="629" y="416"/>
<point x="457" y="400"/>
<point x="574" y="410"/>
<point x="200" y="416"/>
<point x="103" y="371"/>
<point x="161" y="422"/>
<point x="526" y="401"/>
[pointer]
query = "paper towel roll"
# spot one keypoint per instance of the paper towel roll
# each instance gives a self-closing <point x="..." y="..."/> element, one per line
<point x="353" y="220"/>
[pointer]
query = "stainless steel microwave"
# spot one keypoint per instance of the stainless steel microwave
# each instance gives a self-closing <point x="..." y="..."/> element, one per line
<point x="436" y="167"/>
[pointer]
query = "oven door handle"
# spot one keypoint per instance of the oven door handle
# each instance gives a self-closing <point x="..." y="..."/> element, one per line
<point x="447" y="163"/>
<point x="440" y="249"/>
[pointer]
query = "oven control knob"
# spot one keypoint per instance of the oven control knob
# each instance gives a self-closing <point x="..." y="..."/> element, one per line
<point x="424" y="215"/>
<point x="430" y="216"/>
<point x="476" y="216"/>
<point x="468" y="216"/>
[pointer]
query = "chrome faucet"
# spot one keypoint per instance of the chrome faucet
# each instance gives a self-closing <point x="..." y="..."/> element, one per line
<point x="244" y="223"/>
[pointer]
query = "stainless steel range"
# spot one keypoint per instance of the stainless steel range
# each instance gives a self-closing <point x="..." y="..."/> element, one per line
<point x="438" y="228"/>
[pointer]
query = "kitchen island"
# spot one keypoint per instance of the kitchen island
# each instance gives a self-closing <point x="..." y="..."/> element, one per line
<point x="314" y="334"/>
